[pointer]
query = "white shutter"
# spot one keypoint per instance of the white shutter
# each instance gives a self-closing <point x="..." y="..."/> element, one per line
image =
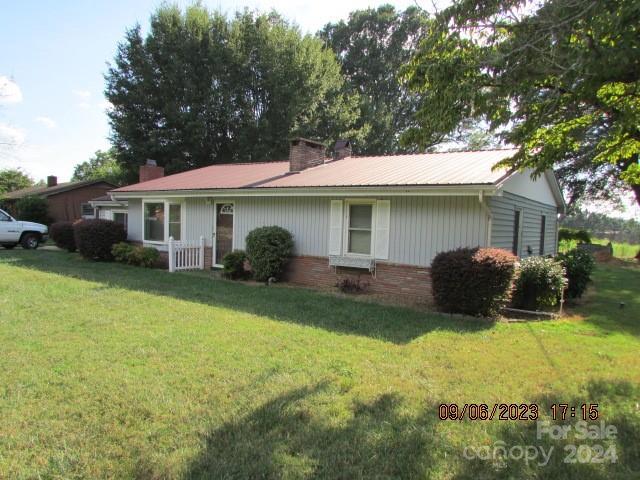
<point x="383" y="211"/>
<point x="335" y="228"/>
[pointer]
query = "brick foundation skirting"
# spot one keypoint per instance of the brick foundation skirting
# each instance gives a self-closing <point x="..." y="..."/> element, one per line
<point x="405" y="284"/>
<point x="393" y="282"/>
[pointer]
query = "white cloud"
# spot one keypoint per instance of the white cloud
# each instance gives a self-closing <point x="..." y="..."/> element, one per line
<point x="82" y="93"/>
<point x="9" y="91"/>
<point x="11" y="136"/>
<point x="84" y="105"/>
<point x="46" y="121"/>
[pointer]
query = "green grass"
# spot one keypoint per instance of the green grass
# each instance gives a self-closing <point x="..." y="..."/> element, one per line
<point x="620" y="249"/>
<point x="110" y="371"/>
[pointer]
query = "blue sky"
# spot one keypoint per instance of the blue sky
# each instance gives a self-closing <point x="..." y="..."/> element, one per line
<point x="53" y="55"/>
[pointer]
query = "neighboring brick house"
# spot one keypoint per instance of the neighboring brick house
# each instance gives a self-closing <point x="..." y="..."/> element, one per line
<point x="67" y="201"/>
<point x="378" y="218"/>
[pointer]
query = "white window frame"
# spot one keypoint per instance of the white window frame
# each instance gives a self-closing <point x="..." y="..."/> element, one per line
<point x="345" y="240"/>
<point x="166" y="203"/>
<point x="93" y="210"/>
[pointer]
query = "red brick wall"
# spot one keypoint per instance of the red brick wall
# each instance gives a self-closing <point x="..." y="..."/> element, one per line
<point x="393" y="282"/>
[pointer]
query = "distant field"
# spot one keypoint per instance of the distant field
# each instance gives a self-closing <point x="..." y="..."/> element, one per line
<point x="620" y="250"/>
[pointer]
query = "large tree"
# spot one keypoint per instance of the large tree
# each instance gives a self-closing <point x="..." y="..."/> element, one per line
<point x="102" y="166"/>
<point x="371" y="46"/>
<point x="201" y="89"/>
<point x="560" y="80"/>
<point x="14" y="179"/>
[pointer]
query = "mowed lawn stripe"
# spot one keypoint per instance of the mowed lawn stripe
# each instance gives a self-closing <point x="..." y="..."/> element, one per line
<point x="112" y="371"/>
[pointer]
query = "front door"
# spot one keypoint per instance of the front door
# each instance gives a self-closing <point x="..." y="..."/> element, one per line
<point x="223" y="240"/>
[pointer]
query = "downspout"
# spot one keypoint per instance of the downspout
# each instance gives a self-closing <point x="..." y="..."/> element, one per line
<point x="487" y="211"/>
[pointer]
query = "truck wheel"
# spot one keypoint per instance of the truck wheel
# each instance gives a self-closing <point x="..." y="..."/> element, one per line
<point x="30" y="241"/>
<point x="9" y="246"/>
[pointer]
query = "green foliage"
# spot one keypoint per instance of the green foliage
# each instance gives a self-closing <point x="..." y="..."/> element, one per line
<point x="203" y="89"/>
<point x="578" y="265"/>
<point x="13" y="179"/>
<point x="371" y="47"/>
<point x="137" y="255"/>
<point x="62" y="235"/>
<point x="268" y="250"/>
<point x="473" y="281"/>
<point x="102" y="166"/>
<point x="33" y="209"/>
<point x="580" y="236"/>
<point x="121" y="252"/>
<point x="604" y="226"/>
<point x="233" y="263"/>
<point x="539" y="283"/>
<point x="95" y="238"/>
<point x="559" y="80"/>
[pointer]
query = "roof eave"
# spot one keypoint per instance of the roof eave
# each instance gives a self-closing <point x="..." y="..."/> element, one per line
<point x="390" y="190"/>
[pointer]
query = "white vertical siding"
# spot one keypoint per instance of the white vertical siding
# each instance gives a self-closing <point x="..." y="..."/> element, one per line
<point x="421" y="227"/>
<point x="306" y="218"/>
<point x="199" y="217"/>
<point x="134" y="222"/>
<point x="503" y="209"/>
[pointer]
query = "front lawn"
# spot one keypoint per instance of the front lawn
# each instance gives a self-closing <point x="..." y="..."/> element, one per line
<point x="110" y="371"/>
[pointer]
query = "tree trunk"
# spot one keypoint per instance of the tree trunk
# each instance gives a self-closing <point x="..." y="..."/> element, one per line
<point x="636" y="190"/>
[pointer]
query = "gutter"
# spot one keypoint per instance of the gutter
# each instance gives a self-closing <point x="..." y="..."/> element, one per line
<point x="440" y="190"/>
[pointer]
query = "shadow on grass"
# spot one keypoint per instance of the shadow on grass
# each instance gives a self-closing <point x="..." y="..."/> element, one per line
<point x="295" y="305"/>
<point x="284" y="439"/>
<point x="599" y="455"/>
<point x="615" y="306"/>
<point x="287" y="438"/>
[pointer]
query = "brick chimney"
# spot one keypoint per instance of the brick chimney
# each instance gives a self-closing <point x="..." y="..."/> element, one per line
<point x="150" y="171"/>
<point x="342" y="149"/>
<point x="304" y="153"/>
<point x="52" y="181"/>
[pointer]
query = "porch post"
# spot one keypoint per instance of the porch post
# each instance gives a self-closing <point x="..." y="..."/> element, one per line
<point x="201" y="253"/>
<point x="172" y="255"/>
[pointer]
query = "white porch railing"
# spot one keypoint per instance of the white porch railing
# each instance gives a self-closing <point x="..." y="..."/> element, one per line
<point x="186" y="255"/>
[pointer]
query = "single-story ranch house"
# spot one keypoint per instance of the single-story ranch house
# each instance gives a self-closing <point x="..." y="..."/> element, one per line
<point x="382" y="218"/>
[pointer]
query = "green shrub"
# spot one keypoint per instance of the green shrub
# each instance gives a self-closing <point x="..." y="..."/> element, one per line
<point x="233" y="263"/>
<point x="578" y="265"/>
<point x="539" y="283"/>
<point x="135" y="255"/>
<point x="33" y="209"/>
<point x="143" y="256"/>
<point x="580" y="236"/>
<point x="268" y="250"/>
<point x="95" y="238"/>
<point x="473" y="281"/>
<point x="121" y="252"/>
<point x="62" y="235"/>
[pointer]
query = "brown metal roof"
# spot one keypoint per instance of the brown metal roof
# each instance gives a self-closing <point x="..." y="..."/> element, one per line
<point x="48" y="191"/>
<point x="427" y="169"/>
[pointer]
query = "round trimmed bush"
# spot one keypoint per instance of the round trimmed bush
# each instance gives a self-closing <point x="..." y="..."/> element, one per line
<point x="539" y="283"/>
<point x="121" y="252"/>
<point x="62" y="235"/>
<point x="473" y="281"/>
<point x="95" y="238"/>
<point x="233" y="263"/>
<point x="268" y="250"/>
<point x="578" y="265"/>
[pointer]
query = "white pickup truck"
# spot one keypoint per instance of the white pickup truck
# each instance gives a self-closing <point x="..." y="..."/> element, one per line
<point x="28" y="234"/>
